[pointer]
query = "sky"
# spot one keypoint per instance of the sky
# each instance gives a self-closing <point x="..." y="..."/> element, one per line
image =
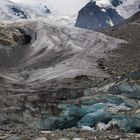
<point x="67" y="7"/>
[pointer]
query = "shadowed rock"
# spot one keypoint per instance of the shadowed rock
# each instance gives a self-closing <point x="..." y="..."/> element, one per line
<point x="95" y="17"/>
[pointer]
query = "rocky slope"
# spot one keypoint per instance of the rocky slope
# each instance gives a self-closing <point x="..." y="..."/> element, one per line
<point x="54" y="77"/>
<point x="129" y="53"/>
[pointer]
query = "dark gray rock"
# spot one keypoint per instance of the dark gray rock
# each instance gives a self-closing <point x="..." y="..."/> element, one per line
<point x="95" y="17"/>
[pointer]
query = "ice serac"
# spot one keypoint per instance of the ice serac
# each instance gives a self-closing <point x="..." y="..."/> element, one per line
<point x="93" y="16"/>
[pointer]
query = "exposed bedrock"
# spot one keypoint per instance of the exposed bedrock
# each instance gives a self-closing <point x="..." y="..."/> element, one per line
<point x="50" y="78"/>
<point x="13" y="46"/>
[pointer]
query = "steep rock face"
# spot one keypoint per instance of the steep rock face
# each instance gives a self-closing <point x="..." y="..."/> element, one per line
<point x="10" y="41"/>
<point x="101" y="14"/>
<point x="11" y="37"/>
<point x="95" y="17"/>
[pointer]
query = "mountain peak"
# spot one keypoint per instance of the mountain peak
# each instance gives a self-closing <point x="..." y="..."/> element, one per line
<point x="93" y="16"/>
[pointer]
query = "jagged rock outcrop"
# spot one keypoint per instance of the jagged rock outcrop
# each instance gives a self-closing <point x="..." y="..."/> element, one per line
<point x="12" y="37"/>
<point x="94" y="17"/>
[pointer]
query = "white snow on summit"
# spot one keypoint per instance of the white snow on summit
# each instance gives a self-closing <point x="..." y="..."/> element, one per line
<point x="128" y="8"/>
<point x="104" y="3"/>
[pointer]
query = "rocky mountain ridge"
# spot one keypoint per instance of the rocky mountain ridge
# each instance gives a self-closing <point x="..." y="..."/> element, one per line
<point x="95" y="17"/>
<point x="99" y="14"/>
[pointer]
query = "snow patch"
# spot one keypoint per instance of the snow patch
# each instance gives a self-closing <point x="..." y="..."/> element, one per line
<point x="104" y="3"/>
